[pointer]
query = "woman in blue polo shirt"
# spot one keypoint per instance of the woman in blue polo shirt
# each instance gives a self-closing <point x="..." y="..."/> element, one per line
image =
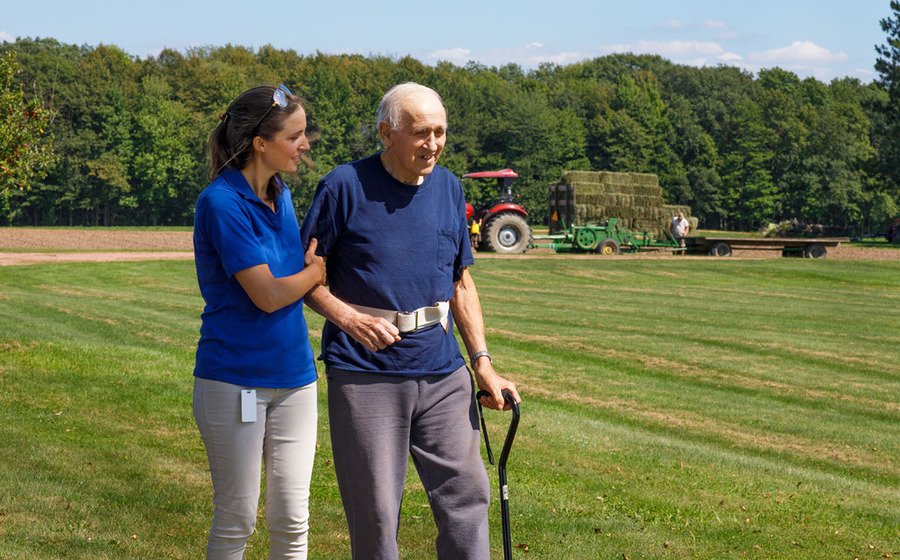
<point x="255" y="378"/>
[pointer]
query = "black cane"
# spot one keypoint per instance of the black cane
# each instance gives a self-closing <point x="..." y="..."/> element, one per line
<point x="501" y="467"/>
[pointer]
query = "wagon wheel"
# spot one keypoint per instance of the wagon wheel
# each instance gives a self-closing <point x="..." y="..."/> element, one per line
<point x="585" y="239"/>
<point x="608" y="247"/>
<point x="814" y="251"/>
<point x="720" y="249"/>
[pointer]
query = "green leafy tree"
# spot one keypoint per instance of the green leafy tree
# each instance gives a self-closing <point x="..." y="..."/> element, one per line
<point x="25" y="152"/>
<point x="747" y="181"/>
<point x="741" y="150"/>
<point x="165" y="163"/>
<point x="887" y="131"/>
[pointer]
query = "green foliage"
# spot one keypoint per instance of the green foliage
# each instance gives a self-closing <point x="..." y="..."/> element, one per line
<point x="740" y="150"/>
<point x="25" y="152"/>
<point x="887" y="108"/>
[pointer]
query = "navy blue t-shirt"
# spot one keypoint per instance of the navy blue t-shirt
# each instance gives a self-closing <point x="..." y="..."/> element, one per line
<point x="239" y="342"/>
<point x="392" y="246"/>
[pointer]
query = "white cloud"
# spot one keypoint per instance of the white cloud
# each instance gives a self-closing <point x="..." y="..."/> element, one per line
<point x="697" y="53"/>
<point x="714" y="24"/>
<point x="342" y="50"/>
<point x="6" y="37"/>
<point x="804" y="58"/>
<point x="560" y="58"/>
<point x="798" y="53"/>
<point x="457" y="54"/>
<point x="527" y="56"/>
<point x="673" y="24"/>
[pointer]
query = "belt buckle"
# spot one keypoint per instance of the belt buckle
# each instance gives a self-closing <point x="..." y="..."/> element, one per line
<point x="407" y="314"/>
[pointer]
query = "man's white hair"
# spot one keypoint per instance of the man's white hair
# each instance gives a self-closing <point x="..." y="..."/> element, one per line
<point x="391" y="104"/>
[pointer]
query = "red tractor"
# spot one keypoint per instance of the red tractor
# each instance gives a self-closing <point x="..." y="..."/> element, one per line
<point x="504" y="228"/>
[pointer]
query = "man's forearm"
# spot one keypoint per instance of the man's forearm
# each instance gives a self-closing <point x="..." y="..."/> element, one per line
<point x="466" y="308"/>
<point x="323" y="302"/>
<point x="375" y="333"/>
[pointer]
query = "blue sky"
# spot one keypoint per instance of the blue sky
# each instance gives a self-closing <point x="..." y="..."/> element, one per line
<point x="821" y="38"/>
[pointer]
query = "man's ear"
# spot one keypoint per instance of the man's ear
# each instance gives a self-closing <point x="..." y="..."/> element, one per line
<point x="384" y="130"/>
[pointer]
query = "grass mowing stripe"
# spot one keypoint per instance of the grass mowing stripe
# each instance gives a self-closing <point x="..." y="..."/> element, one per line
<point x="679" y="409"/>
<point x="710" y="503"/>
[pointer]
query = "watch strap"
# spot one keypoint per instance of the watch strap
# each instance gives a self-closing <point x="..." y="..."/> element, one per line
<point x="480" y="354"/>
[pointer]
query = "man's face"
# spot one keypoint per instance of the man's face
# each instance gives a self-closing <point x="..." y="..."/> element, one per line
<point x="414" y="148"/>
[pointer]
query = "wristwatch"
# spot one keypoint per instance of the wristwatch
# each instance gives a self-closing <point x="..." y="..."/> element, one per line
<point x="479" y="354"/>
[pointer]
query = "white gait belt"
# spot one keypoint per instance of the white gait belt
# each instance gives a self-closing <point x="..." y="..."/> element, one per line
<point x="411" y="321"/>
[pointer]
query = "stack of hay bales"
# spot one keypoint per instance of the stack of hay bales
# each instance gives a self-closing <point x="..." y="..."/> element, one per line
<point x="590" y="197"/>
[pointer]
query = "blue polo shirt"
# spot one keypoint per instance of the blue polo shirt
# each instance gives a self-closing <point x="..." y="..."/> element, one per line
<point x="240" y="343"/>
<point x="392" y="246"/>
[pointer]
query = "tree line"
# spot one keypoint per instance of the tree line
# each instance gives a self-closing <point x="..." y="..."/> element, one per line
<point x="90" y="135"/>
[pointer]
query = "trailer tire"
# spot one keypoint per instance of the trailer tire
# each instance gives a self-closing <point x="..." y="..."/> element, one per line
<point x="608" y="247"/>
<point x="815" y="251"/>
<point x="720" y="249"/>
<point x="507" y="232"/>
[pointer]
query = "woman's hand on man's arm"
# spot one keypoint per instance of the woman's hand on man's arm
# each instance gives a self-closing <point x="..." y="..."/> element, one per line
<point x="271" y="294"/>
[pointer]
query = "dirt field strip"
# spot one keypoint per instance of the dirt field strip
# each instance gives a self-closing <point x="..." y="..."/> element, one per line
<point x="98" y="245"/>
<point x="65" y="239"/>
<point x="17" y="259"/>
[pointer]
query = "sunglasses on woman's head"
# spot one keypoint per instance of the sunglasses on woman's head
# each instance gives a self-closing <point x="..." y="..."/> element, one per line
<point x="279" y="98"/>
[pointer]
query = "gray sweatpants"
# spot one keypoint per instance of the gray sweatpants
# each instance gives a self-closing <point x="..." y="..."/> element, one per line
<point x="376" y="422"/>
<point x="285" y="434"/>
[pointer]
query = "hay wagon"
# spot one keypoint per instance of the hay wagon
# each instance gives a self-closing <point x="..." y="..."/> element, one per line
<point x="641" y="220"/>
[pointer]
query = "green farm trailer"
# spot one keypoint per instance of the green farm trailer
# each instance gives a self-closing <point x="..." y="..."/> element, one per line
<point x="609" y="237"/>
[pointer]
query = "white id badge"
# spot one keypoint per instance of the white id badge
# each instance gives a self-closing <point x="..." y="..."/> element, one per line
<point x="248" y="405"/>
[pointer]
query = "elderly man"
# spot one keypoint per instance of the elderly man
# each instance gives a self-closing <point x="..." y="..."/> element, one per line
<point x="393" y="228"/>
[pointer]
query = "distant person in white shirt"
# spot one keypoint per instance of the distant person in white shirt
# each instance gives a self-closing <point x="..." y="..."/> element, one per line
<point x="680" y="227"/>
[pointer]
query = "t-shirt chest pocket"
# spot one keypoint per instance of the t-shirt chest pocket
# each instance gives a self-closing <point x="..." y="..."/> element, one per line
<point x="447" y="249"/>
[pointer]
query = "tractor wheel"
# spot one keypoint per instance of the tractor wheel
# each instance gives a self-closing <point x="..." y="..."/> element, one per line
<point x="720" y="249"/>
<point x="814" y="251"/>
<point x="608" y="247"/>
<point x="507" y="233"/>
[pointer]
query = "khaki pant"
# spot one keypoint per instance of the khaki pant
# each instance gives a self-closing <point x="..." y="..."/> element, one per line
<point x="284" y="434"/>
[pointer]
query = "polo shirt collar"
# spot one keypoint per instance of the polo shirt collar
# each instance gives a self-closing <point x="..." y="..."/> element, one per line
<point x="237" y="180"/>
<point x="239" y="183"/>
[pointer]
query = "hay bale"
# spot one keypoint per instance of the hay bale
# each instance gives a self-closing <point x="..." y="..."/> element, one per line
<point x="608" y="177"/>
<point x="572" y="177"/>
<point x="592" y="197"/>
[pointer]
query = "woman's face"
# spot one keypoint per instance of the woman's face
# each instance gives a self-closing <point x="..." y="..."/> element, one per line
<point x="282" y="153"/>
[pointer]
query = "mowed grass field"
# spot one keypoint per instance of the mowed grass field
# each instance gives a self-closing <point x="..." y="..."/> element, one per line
<point x="677" y="408"/>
